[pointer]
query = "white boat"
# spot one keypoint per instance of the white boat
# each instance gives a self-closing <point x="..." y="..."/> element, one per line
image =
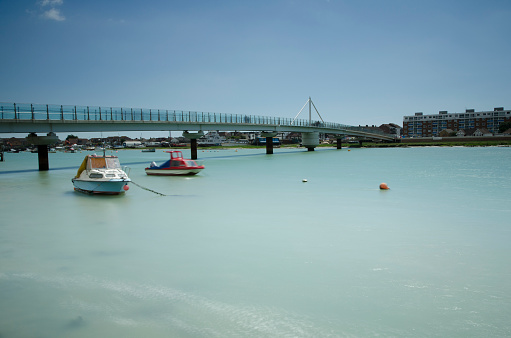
<point x="211" y="139"/>
<point x="101" y="175"/>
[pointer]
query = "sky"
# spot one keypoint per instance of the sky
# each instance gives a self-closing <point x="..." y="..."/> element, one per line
<point x="363" y="62"/>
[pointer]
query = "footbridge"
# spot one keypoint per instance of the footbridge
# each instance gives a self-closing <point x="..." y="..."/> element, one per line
<point x="50" y="119"/>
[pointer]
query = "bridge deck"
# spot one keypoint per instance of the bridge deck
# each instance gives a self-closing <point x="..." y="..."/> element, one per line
<point x="37" y="118"/>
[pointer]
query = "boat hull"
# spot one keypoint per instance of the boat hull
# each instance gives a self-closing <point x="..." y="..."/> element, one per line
<point x="101" y="187"/>
<point x="172" y="172"/>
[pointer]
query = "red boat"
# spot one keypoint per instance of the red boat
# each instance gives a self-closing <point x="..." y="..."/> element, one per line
<point x="176" y="166"/>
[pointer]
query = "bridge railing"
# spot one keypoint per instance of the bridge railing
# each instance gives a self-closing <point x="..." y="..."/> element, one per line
<point x="47" y="112"/>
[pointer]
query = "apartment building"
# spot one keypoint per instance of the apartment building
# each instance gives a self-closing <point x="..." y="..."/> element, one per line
<point x="420" y="125"/>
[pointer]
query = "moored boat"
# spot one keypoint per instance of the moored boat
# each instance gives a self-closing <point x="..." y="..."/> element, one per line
<point x="101" y="175"/>
<point x="176" y="166"/>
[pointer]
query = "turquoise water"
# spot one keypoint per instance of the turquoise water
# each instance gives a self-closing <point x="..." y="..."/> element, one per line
<point x="247" y="249"/>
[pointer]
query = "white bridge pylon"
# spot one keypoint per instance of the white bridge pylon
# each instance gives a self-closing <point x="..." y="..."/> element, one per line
<point x="310" y="140"/>
<point x="309" y="101"/>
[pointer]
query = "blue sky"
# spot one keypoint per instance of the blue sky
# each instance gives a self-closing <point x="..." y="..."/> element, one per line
<point x="362" y="62"/>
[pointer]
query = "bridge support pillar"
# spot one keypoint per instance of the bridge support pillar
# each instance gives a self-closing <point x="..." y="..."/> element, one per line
<point x="193" y="141"/>
<point x="269" y="135"/>
<point x="310" y="140"/>
<point x="269" y="145"/>
<point x="193" y="148"/>
<point x="42" y="143"/>
<point x="42" y="156"/>
<point x="339" y="145"/>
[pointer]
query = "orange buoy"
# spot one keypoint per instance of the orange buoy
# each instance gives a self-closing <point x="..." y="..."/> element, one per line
<point x="384" y="186"/>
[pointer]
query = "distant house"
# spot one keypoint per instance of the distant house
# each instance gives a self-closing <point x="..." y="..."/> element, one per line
<point x="15" y="143"/>
<point x="391" y="128"/>
<point x="477" y="132"/>
<point x="446" y="133"/>
<point x="292" y="138"/>
<point x="461" y="133"/>
<point x="71" y="140"/>
<point x="482" y="132"/>
<point x="507" y="132"/>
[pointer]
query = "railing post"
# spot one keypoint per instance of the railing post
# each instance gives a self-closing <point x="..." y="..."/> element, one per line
<point x="88" y="114"/>
<point x="141" y="115"/>
<point x="61" y="113"/>
<point x="100" y="113"/>
<point x="111" y="115"/>
<point x="150" y="115"/>
<point x="122" y="115"/>
<point x="167" y="114"/>
<point x="158" y="115"/>
<point x="131" y="114"/>
<point x="2" y="112"/>
<point x="15" y="115"/>
<point x="32" y="110"/>
<point x="76" y="116"/>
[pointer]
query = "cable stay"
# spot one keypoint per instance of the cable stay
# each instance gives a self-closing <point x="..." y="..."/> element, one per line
<point x="311" y="104"/>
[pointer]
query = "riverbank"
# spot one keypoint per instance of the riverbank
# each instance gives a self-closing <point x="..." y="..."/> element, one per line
<point x="411" y="142"/>
<point x="445" y="142"/>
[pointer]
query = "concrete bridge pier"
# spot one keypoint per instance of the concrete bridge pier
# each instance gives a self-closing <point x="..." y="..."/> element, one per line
<point x="269" y="135"/>
<point x="310" y="140"/>
<point x="42" y="143"/>
<point x="42" y="157"/>
<point x="193" y="141"/>
<point x="339" y="145"/>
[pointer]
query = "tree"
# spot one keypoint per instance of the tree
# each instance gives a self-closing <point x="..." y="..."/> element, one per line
<point x="504" y="126"/>
<point x="70" y="136"/>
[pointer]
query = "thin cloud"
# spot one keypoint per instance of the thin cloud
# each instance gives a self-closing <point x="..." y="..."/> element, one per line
<point x="51" y="13"/>
<point x="51" y="3"/>
<point x="54" y="14"/>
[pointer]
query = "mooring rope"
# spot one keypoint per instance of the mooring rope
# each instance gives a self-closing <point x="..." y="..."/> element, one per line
<point x="138" y="185"/>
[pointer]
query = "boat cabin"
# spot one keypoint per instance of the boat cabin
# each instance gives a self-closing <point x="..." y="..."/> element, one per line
<point x="98" y="162"/>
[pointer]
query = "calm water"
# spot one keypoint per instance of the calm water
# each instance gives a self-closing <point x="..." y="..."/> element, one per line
<point x="247" y="249"/>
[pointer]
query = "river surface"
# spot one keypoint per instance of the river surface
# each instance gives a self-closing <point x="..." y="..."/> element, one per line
<point x="246" y="249"/>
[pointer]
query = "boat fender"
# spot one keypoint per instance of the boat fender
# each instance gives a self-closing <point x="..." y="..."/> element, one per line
<point x="126" y="187"/>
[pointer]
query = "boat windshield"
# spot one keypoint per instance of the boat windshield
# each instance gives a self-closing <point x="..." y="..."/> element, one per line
<point x="104" y="163"/>
<point x="190" y="163"/>
<point x="113" y="163"/>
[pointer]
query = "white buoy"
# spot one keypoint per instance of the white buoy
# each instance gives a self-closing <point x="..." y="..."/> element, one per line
<point x="304" y="180"/>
